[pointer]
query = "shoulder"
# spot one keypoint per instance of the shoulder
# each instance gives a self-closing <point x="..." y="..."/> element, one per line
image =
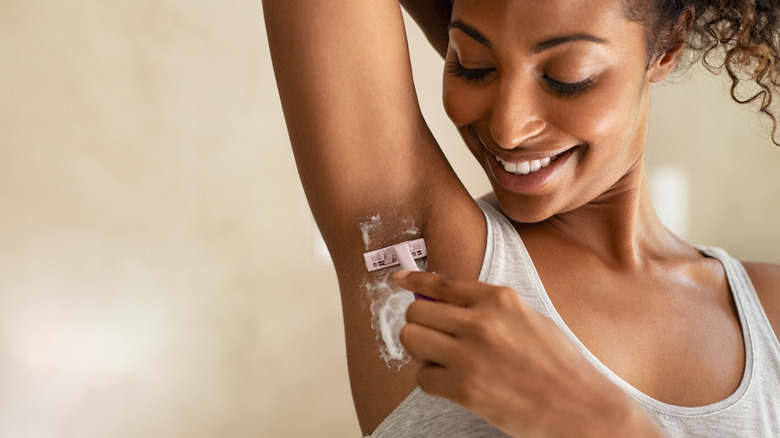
<point x="766" y="280"/>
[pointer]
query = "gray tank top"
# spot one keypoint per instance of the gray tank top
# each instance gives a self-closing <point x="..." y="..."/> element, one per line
<point x="752" y="411"/>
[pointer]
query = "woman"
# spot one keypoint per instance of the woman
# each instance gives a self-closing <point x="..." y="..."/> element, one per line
<point x="561" y="305"/>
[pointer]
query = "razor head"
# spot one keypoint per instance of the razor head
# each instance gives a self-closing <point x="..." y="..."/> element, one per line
<point x="389" y="256"/>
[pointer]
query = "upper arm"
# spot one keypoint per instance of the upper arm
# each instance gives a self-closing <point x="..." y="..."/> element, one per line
<point x="358" y="135"/>
<point x="766" y="280"/>
<point x="363" y="150"/>
<point x="345" y="84"/>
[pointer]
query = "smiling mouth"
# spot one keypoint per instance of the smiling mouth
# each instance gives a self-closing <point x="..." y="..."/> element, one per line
<point x="526" y="167"/>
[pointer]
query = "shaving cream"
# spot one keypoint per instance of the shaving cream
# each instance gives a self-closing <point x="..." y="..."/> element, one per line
<point x="388" y="301"/>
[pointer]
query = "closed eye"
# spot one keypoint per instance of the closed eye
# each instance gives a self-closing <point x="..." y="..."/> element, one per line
<point x="568" y="89"/>
<point x="455" y="69"/>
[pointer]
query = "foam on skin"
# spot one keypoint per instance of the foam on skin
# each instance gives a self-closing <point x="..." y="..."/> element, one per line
<point x="388" y="301"/>
<point x="367" y="227"/>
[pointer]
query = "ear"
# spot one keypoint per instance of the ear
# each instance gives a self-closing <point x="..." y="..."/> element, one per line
<point x="667" y="61"/>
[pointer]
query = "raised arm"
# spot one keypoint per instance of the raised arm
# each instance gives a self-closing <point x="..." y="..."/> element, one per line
<point x="360" y="142"/>
<point x="363" y="150"/>
<point x="345" y="84"/>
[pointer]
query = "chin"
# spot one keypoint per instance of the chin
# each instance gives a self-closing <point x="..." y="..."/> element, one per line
<point x="524" y="211"/>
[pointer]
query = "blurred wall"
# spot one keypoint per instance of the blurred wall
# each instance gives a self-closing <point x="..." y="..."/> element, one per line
<point x="731" y="166"/>
<point x="160" y="273"/>
<point x="157" y="276"/>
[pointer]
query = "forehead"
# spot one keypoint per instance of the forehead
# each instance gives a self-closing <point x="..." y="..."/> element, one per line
<point x="530" y="21"/>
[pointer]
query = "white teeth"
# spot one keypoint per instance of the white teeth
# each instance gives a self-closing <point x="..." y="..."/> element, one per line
<point x="526" y="167"/>
<point x="523" y="168"/>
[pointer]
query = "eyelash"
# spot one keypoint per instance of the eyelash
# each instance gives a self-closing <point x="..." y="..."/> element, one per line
<point x="569" y="89"/>
<point x="469" y="74"/>
<point x="476" y="75"/>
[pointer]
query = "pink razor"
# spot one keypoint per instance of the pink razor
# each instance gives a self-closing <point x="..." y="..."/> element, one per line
<point x="402" y="254"/>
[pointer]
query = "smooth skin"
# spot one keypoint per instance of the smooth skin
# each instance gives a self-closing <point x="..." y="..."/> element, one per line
<point x="647" y="304"/>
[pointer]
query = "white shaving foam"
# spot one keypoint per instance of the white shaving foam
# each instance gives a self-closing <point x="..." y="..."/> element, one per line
<point x="411" y="229"/>
<point x="366" y="227"/>
<point x="388" y="316"/>
<point x="388" y="300"/>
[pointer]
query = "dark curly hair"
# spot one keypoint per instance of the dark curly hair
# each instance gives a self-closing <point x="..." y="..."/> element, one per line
<point x="741" y="37"/>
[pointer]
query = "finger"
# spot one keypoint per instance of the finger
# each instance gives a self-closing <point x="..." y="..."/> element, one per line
<point x="441" y="287"/>
<point x="438" y="315"/>
<point x="434" y="380"/>
<point x="427" y="345"/>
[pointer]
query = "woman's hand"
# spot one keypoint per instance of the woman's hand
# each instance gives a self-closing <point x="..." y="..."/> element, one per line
<point x="482" y="347"/>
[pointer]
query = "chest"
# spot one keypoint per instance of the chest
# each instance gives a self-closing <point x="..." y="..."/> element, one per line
<point x="674" y="336"/>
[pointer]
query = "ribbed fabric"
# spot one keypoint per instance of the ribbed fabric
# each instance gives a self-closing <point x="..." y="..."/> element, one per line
<point x="752" y="411"/>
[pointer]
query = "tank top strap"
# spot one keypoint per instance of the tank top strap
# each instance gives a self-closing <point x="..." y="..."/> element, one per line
<point x="745" y="295"/>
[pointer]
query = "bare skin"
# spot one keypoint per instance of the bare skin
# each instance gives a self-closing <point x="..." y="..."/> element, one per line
<point x="608" y="264"/>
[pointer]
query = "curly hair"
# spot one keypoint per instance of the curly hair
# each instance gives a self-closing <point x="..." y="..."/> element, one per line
<point x="741" y="37"/>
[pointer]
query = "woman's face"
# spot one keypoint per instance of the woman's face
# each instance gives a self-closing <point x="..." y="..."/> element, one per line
<point x="551" y="97"/>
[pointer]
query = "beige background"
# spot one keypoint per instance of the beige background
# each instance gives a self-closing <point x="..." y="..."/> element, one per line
<point x="159" y="270"/>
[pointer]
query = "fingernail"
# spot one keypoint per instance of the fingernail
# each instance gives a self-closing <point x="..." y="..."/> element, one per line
<point x="422" y="297"/>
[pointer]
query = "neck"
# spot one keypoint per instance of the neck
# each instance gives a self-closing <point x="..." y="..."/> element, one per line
<point x="621" y="227"/>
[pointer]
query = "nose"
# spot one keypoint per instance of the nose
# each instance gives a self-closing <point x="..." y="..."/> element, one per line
<point x="516" y="116"/>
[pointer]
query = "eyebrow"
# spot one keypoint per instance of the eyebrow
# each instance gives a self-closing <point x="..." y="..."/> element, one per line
<point x="472" y="32"/>
<point x="552" y="42"/>
<point x="536" y="48"/>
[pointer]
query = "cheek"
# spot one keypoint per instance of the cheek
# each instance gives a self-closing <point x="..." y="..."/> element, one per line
<point x="610" y="114"/>
<point x="463" y="104"/>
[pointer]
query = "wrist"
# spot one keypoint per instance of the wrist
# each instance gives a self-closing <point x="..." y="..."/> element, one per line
<point x="613" y="413"/>
<point x="631" y="419"/>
